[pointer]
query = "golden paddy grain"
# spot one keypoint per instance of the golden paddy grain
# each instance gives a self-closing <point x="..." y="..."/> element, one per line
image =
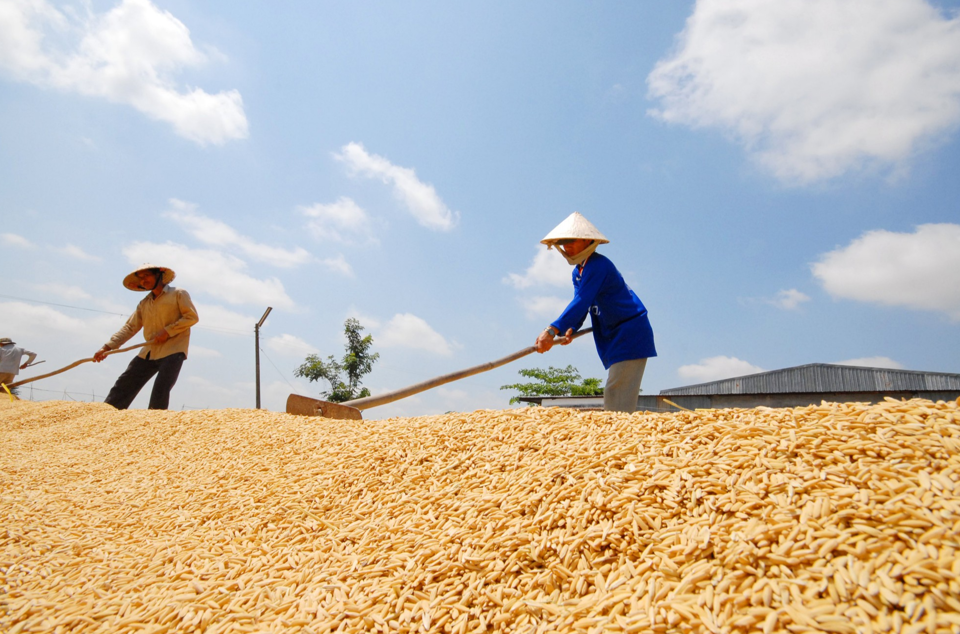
<point x="834" y="518"/>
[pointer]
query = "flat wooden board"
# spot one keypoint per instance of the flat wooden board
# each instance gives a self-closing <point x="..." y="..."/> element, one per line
<point x="306" y="406"/>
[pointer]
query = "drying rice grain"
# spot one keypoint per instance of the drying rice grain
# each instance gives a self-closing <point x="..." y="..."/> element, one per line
<point x="838" y="518"/>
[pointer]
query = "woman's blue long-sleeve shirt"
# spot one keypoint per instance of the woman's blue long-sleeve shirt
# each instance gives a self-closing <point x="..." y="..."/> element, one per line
<point x="621" y="328"/>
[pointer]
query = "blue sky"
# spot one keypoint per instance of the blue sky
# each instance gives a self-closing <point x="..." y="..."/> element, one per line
<point x="778" y="182"/>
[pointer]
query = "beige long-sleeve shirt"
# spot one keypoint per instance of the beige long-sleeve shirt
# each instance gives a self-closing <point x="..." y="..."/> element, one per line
<point x="172" y="310"/>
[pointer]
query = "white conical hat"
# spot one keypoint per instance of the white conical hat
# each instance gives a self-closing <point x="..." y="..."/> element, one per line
<point x="575" y="226"/>
<point x="133" y="282"/>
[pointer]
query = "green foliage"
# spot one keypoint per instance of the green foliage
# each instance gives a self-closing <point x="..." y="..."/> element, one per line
<point x="357" y="362"/>
<point x="554" y="382"/>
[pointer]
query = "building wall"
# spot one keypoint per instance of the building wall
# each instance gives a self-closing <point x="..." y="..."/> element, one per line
<point x="719" y="401"/>
<point x="579" y="402"/>
<point x="658" y="403"/>
<point x="825" y="377"/>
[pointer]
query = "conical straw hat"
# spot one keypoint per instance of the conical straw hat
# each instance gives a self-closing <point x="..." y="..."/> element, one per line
<point x="133" y="282"/>
<point x="575" y="226"/>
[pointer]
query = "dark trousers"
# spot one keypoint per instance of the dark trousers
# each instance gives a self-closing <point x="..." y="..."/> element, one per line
<point x="138" y="373"/>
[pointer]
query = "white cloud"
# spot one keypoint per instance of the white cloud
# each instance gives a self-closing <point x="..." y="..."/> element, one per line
<point x="212" y="272"/>
<point x="789" y="299"/>
<point x="919" y="270"/>
<point x="76" y="252"/>
<point x="223" y="320"/>
<point x="365" y="320"/>
<point x="420" y="198"/>
<point x="547" y="269"/>
<point x="128" y="55"/>
<point x="409" y="331"/>
<point x="815" y="88"/>
<point x="65" y="291"/>
<point x="289" y="345"/>
<point x="220" y="234"/>
<point x="229" y="393"/>
<point x="111" y="306"/>
<point x="340" y="221"/>
<point x="14" y="240"/>
<point x="453" y="395"/>
<point x="717" y="368"/>
<point x="872" y="362"/>
<point x="543" y="307"/>
<point x="204" y="353"/>
<point x="338" y="264"/>
<point x="38" y="323"/>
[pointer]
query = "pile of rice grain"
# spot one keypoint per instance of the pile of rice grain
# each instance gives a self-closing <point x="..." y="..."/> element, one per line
<point x="835" y="518"/>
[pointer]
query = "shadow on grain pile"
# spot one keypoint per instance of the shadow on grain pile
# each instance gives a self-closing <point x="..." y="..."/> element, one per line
<point x="840" y="518"/>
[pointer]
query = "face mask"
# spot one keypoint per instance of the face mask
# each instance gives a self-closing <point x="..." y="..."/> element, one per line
<point x="580" y="257"/>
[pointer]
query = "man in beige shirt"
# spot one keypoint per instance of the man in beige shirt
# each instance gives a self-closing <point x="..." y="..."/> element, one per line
<point x="166" y="315"/>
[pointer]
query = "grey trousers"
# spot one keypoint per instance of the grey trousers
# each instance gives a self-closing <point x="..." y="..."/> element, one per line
<point x="623" y="385"/>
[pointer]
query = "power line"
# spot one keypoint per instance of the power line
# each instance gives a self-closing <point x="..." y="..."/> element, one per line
<point x="277" y="369"/>
<point x="40" y="389"/>
<point x="37" y="301"/>
<point x="105" y="312"/>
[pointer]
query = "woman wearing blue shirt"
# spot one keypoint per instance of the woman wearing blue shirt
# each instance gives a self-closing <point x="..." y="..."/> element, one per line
<point x="621" y="329"/>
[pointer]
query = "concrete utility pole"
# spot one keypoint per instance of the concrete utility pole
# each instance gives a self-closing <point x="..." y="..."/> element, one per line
<point x="256" y="337"/>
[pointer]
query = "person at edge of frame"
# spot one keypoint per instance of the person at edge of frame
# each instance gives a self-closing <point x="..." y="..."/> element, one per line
<point x="10" y="357"/>
<point x="621" y="328"/>
<point x="166" y="315"/>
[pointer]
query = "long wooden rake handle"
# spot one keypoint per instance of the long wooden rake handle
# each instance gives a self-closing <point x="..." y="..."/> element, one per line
<point x="75" y="364"/>
<point x="396" y="395"/>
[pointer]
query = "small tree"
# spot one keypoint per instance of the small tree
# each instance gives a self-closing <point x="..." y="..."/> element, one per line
<point x="554" y="382"/>
<point x="357" y="362"/>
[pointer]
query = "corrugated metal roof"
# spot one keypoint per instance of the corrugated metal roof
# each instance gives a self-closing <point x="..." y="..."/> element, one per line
<point x="825" y="377"/>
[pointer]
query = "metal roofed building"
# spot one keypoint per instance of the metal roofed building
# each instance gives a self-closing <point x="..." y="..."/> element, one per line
<point x="810" y="384"/>
<point x="790" y="387"/>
